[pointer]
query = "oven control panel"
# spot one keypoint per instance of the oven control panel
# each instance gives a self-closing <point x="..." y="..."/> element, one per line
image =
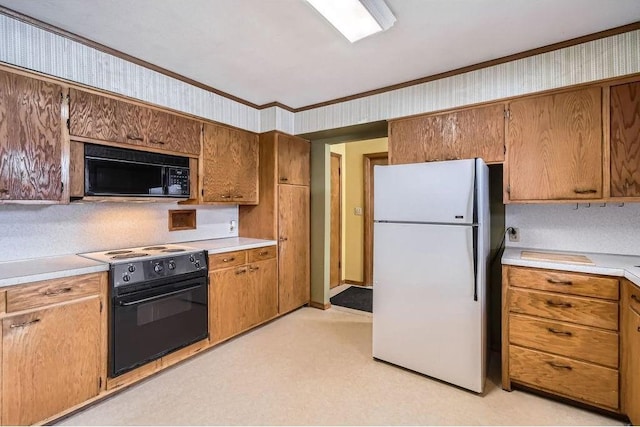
<point x="131" y="272"/>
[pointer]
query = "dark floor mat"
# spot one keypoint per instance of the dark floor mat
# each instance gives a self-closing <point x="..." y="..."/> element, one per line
<point x="355" y="298"/>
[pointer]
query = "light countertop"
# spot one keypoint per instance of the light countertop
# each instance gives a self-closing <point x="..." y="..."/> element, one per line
<point x="604" y="264"/>
<point x="229" y="244"/>
<point x="34" y="270"/>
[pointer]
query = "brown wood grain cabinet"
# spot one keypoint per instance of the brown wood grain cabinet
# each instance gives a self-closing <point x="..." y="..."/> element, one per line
<point x="462" y="134"/>
<point x="243" y="291"/>
<point x="554" y="147"/>
<point x="561" y="334"/>
<point x="101" y="118"/>
<point x="283" y="214"/>
<point x="230" y="165"/>
<point x="625" y="140"/>
<point x="31" y="145"/>
<point x="631" y="352"/>
<point x="53" y="351"/>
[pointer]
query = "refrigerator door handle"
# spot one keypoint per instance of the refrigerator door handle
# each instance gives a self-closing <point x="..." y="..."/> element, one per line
<point x="475" y="262"/>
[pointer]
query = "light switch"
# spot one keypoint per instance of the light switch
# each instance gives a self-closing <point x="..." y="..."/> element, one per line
<point x="357" y="211"/>
<point x="232" y="225"/>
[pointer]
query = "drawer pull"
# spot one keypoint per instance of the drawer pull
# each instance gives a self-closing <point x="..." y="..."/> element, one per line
<point x="559" y="304"/>
<point x="241" y="271"/>
<point x="283" y="239"/>
<point x="229" y="259"/>
<point x="635" y="297"/>
<point x="135" y="138"/>
<point x="557" y="332"/>
<point x="58" y="292"/>
<point x="560" y="282"/>
<point x="156" y="141"/>
<point x="3" y="190"/>
<point x="254" y="269"/>
<point x="22" y="325"/>
<point x="225" y="196"/>
<point x="558" y="366"/>
<point x="282" y="178"/>
<point x="238" y="196"/>
<point x="585" y="191"/>
<point x="263" y="253"/>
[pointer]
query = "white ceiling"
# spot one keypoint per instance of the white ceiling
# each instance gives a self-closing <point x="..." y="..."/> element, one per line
<point x="283" y="50"/>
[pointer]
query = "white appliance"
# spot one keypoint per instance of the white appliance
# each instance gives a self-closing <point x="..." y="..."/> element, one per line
<point x="431" y="247"/>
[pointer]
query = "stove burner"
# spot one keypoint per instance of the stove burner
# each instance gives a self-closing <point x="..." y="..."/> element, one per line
<point x="154" y="248"/>
<point x="118" y="252"/>
<point x="173" y="250"/>
<point x="129" y="255"/>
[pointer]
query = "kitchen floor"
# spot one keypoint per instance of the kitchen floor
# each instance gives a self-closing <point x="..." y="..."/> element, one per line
<point x="314" y="367"/>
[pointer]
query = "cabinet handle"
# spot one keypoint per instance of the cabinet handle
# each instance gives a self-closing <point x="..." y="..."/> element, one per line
<point x="155" y="141"/>
<point x="241" y="271"/>
<point x="635" y="297"/>
<point x="283" y="239"/>
<point x="3" y="190"/>
<point x="282" y="178"/>
<point x="229" y="259"/>
<point x="58" y="292"/>
<point x="557" y="332"/>
<point x="238" y="196"/>
<point x="263" y="253"/>
<point x="135" y="138"/>
<point x="560" y="282"/>
<point x="252" y="269"/>
<point x="585" y="190"/>
<point x="558" y="366"/>
<point x="225" y="196"/>
<point x="22" y="325"/>
<point x="559" y="304"/>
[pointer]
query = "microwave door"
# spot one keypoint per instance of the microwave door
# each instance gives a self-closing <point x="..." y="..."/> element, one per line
<point x="106" y="177"/>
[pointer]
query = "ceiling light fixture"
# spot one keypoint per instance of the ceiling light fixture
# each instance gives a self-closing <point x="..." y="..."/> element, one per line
<point x="356" y="19"/>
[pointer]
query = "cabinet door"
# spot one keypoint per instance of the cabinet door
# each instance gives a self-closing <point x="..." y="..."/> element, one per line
<point x="293" y="261"/>
<point x="30" y="139"/>
<point x="262" y="295"/>
<point x="43" y="374"/>
<point x="228" y="290"/>
<point x="230" y="165"/>
<point x="105" y="119"/>
<point x="554" y="145"/>
<point x="631" y="356"/>
<point x="625" y="140"/>
<point x="293" y="160"/>
<point x="173" y="133"/>
<point x="465" y="134"/>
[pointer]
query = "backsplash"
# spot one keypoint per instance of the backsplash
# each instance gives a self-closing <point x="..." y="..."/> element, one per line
<point x="29" y="231"/>
<point x="595" y="228"/>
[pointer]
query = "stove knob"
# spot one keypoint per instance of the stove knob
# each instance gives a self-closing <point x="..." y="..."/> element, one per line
<point x="126" y="277"/>
<point x="158" y="268"/>
<point x="191" y="258"/>
<point x="131" y="268"/>
<point x="197" y="264"/>
<point x="172" y="265"/>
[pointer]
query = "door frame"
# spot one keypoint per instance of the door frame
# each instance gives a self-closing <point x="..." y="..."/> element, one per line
<point x="367" y="253"/>
<point x="339" y="156"/>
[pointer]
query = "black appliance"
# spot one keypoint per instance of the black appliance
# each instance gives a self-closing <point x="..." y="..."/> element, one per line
<point x="111" y="171"/>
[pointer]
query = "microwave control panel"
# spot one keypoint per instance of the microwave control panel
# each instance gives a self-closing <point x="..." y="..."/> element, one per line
<point x="178" y="182"/>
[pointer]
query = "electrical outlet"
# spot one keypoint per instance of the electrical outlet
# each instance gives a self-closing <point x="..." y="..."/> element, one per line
<point x="514" y="234"/>
<point x="232" y="225"/>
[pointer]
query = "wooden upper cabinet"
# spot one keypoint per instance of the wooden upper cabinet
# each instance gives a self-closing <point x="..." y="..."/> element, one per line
<point x="105" y="119"/>
<point x="293" y="160"/>
<point x="464" y="134"/>
<point x="230" y="165"/>
<point x="30" y="139"/>
<point x="625" y="140"/>
<point x="554" y="147"/>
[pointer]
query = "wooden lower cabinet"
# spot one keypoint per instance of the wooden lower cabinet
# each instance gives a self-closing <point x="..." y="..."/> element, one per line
<point x="241" y="296"/>
<point x="561" y="334"/>
<point x="51" y="360"/>
<point x="631" y="352"/>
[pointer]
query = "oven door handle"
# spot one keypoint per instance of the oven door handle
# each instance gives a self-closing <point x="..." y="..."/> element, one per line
<point x="157" y="297"/>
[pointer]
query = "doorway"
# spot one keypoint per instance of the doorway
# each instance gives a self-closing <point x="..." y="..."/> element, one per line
<point x="335" y="275"/>
<point x="370" y="160"/>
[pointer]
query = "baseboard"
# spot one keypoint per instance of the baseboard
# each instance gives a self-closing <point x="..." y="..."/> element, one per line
<point x="319" y="305"/>
<point x="352" y="282"/>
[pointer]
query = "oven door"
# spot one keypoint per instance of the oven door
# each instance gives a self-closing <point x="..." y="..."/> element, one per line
<point x="150" y="323"/>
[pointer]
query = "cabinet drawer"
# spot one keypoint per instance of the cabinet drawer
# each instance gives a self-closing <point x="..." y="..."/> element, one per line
<point x="633" y="296"/>
<point x="259" y="254"/>
<point x="567" y="283"/>
<point x="584" y="311"/>
<point x="580" y="380"/>
<point x="52" y="291"/>
<point x="565" y="339"/>
<point x="227" y="259"/>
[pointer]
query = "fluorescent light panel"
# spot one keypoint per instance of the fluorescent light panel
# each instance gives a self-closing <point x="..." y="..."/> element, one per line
<point x="355" y="18"/>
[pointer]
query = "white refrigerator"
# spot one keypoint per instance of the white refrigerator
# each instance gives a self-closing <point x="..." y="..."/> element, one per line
<point x="430" y="254"/>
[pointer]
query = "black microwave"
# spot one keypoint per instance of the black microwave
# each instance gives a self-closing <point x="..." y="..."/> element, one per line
<point x="111" y="171"/>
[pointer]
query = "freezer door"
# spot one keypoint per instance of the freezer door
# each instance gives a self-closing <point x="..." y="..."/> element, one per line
<point x="441" y="192"/>
<point x="425" y="317"/>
